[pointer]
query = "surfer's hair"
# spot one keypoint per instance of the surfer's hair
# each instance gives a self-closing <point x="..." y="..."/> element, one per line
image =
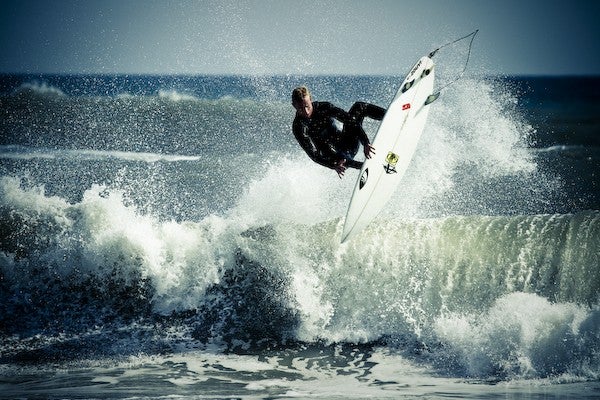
<point x="299" y="93"/>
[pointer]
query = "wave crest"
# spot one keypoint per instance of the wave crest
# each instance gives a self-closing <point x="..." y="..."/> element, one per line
<point x="39" y="89"/>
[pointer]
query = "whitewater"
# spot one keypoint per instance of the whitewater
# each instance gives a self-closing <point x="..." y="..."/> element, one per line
<point x="166" y="237"/>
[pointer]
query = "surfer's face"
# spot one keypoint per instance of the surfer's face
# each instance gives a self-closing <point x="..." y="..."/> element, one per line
<point x="304" y="108"/>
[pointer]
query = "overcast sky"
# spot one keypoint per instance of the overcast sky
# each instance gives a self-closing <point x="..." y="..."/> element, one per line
<point x="517" y="37"/>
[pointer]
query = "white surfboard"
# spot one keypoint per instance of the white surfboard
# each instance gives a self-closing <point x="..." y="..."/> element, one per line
<point x="395" y="144"/>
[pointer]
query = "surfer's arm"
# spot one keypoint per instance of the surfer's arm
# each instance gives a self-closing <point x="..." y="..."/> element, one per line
<point x="369" y="150"/>
<point x="362" y="136"/>
<point x="353" y="125"/>
<point x="335" y="112"/>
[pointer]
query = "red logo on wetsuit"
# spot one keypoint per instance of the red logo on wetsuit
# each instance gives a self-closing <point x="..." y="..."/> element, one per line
<point x="405" y="106"/>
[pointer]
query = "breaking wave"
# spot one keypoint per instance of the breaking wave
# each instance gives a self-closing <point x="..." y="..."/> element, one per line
<point x="505" y="295"/>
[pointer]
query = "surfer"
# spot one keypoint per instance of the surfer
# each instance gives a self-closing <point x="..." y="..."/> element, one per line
<point x="316" y="131"/>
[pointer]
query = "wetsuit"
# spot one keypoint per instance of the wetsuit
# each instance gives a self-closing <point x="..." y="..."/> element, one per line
<point x="322" y="140"/>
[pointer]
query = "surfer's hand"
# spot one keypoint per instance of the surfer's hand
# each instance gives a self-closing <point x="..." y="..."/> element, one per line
<point x="340" y="167"/>
<point x="369" y="150"/>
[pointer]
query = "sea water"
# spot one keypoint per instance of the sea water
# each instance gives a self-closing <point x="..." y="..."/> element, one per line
<point x="166" y="237"/>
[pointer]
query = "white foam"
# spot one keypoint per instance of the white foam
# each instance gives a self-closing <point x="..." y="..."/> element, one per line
<point x="524" y="336"/>
<point x="40" y="88"/>
<point x="176" y="96"/>
<point x="102" y="235"/>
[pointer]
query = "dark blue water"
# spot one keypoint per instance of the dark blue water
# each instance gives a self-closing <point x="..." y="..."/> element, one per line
<point x="166" y="236"/>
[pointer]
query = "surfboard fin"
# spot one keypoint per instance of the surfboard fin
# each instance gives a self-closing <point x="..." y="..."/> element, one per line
<point x="408" y="85"/>
<point x="431" y="98"/>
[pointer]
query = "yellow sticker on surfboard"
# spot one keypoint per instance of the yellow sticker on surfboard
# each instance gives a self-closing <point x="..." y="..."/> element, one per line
<point x="391" y="159"/>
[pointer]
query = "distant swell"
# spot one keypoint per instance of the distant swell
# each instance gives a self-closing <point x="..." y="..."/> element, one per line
<point x="163" y="122"/>
<point x="28" y="153"/>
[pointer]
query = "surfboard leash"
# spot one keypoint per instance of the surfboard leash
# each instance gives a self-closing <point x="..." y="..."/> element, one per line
<point x="472" y="35"/>
<point x="455" y="41"/>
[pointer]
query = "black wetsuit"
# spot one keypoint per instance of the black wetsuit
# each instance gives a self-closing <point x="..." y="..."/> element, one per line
<point x="324" y="142"/>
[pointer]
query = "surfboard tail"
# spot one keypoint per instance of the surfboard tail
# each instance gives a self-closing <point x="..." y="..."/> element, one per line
<point x="349" y="233"/>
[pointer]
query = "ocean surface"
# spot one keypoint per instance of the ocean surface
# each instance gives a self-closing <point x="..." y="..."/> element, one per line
<point x="166" y="237"/>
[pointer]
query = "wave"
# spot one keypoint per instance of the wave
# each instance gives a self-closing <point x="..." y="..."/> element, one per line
<point x="174" y="95"/>
<point x="465" y="270"/>
<point x="522" y="336"/>
<point x="36" y="88"/>
<point x="16" y="152"/>
<point x="561" y="148"/>
<point x="170" y="123"/>
<point x="484" y="294"/>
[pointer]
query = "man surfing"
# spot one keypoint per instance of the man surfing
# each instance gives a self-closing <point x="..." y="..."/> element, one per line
<point x="315" y="129"/>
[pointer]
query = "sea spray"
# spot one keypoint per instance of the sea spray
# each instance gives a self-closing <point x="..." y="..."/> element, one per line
<point x="475" y="143"/>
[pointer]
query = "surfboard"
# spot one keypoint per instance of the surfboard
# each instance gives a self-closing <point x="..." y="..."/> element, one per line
<point x="395" y="144"/>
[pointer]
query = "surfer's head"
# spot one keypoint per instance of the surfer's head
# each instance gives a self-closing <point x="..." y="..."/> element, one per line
<point x="302" y="101"/>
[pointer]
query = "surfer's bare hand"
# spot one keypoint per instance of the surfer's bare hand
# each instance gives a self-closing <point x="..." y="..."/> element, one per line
<point x="369" y="150"/>
<point x="340" y="167"/>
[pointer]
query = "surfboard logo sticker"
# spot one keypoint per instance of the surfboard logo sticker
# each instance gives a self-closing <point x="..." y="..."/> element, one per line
<point x="405" y="106"/>
<point x="415" y="68"/>
<point x="391" y="159"/>
<point x="363" y="179"/>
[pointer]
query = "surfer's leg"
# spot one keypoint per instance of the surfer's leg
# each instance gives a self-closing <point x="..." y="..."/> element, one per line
<point x="360" y="110"/>
<point x="350" y="141"/>
<point x="354" y="134"/>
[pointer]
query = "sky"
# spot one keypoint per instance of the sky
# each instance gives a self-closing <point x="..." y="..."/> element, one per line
<point x="313" y="37"/>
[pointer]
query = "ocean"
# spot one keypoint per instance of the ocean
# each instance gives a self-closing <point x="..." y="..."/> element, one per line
<point x="166" y="237"/>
